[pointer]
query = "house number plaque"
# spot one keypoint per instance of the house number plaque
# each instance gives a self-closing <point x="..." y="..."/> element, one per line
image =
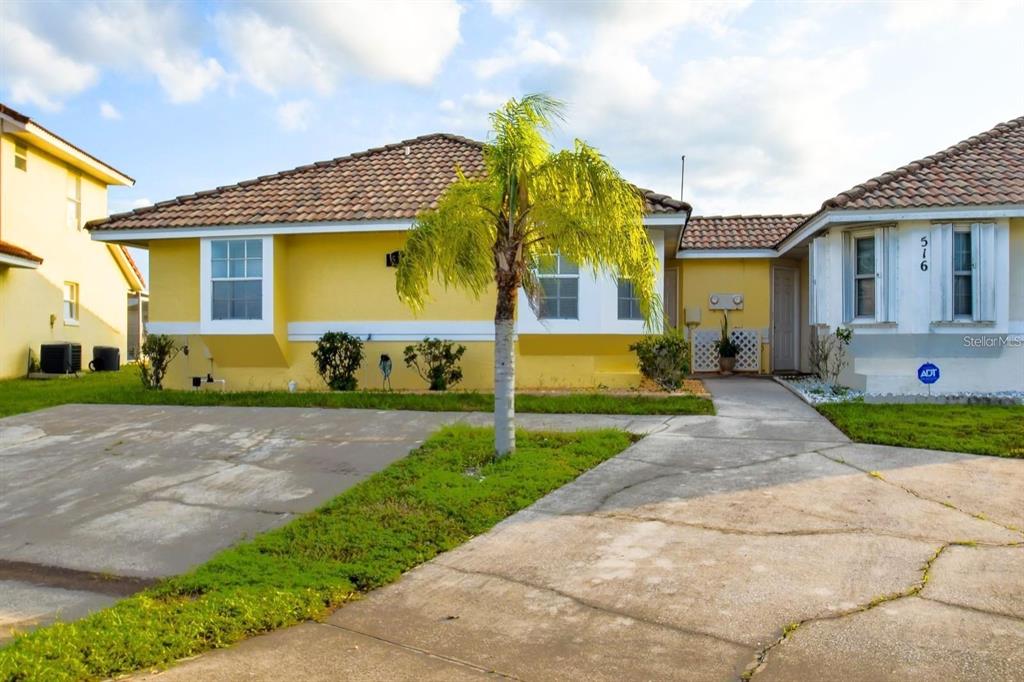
<point x="924" y="254"/>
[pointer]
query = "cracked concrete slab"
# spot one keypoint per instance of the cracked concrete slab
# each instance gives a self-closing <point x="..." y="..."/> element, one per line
<point x="692" y="578"/>
<point x="989" y="486"/>
<point x="534" y="632"/>
<point x="906" y="639"/>
<point x="985" y="578"/>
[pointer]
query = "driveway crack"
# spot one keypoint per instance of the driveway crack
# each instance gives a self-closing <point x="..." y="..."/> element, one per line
<point x="595" y="606"/>
<point x="881" y="477"/>
<point x="425" y="652"/>
<point x="760" y="659"/>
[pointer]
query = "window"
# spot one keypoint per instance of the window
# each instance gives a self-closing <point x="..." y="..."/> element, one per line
<point x="629" y="305"/>
<point x="237" y="278"/>
<point x="21" y="156"/>
<point x="963" y="275"/>
<point x="560" y="288"/>
<point x="864" y="276"/>
<point x="74" y="200"/>
<point x="70" y="303"/>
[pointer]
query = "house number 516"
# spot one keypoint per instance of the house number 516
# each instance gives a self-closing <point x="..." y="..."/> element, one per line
<point x="924" y="254"/>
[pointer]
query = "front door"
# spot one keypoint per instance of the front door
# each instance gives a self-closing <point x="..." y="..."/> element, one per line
<point x="785" y="313"/>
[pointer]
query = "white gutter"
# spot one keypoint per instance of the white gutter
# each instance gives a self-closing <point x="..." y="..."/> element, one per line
<point x="700" y="254"/>
<point x="17" y="261"/>
<point x="847" y="216"/>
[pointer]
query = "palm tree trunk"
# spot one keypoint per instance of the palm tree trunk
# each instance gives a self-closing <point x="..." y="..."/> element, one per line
<point x="505" y="365"/>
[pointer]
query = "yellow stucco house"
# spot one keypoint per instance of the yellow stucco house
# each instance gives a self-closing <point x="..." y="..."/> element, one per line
<point x="249" y="276"/>
<point x="57" y="284"/>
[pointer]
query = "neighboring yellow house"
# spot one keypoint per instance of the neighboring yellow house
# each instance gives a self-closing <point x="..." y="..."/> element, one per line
<point x="56" y="284"/>
<point x="251" y="275"/>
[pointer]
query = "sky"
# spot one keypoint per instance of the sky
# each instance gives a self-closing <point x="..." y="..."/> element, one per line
<point x="777" y="106"/>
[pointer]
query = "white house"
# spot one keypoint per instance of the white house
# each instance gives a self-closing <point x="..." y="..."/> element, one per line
<point x="926" y="265"/>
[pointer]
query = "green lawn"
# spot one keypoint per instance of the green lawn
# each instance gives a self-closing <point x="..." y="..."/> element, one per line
<point x="442" y="494"/>
<point x="981" y="429"/>
<point x="124" y="387"/>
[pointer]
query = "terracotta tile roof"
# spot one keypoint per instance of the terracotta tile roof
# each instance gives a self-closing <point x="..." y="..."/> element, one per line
<point x="984" y="169"/>
<point x="18" y="252"/>
<point x="738" y="231"/>
<point x="385" y="183"/>
<point x="134" y="265"/>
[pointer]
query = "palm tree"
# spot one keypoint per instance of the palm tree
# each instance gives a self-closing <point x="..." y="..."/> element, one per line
<point x="531" y="203"/>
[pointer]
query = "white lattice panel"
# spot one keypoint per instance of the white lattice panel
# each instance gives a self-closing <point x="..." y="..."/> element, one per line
<point x="748" y="344"/>
<point x="705" y="349"/>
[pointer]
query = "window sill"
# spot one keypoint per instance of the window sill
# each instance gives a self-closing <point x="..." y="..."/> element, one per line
<point x="963" y="323"/>
<point x="865" y="324"/>
<point x="70" y="323"/>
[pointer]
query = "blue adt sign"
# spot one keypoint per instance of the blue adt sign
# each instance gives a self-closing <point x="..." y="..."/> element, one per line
<point x="928" y="373"/>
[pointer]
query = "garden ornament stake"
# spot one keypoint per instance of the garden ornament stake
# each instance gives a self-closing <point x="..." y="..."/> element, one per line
<point x="385" y="370"/>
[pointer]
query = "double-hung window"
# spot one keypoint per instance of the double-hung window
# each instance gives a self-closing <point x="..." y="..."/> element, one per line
<point x="71" y="303"/>
<point x="870" y="275"/>
<point x="74" y="200"/>
<point x="963" y="260"/>
<point x="629" y="304"/>
<point x="20" y="156"/>
<point x="963" y="274"/>
<point x="864" y="277"/>
<point x="236" y="267"/>
<point x="560" y="288"/>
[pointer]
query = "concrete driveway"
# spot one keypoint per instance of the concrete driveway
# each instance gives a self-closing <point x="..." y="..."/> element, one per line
<point x="98" y="501"/>
<point x="755" y="543"/>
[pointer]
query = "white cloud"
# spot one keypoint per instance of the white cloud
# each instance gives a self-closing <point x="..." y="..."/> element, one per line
<point x="295" y="116"/>
<point x="141" y="202"/>
<point x="156" y="36"/>
<point x="109" y="111"/>
<point x="407" y="42"/>
<point x="274" y="57"/>
<point x="36" y="72"/>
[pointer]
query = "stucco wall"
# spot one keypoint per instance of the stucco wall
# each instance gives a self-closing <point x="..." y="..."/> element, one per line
<point x="33" y="203"/>
<point x="1017" y="275"/>
<point x="335" y="281"/>
<point x="885" y="357"/>
<point x="751" y="277"/>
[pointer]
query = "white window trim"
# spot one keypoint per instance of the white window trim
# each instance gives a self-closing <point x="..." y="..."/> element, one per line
<point x="72" y="321"/>
<point x="963" y="228"/>
<point x="851" y="286"/>
<point x="207" y="325"/>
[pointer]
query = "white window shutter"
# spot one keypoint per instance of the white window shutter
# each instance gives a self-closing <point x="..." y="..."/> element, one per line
<point x="819" y="280"/>
<point x="940" y="265"/>
<point x="887" y="250"/>
<point x="848" y="270"/>
<point x="983" y="250"/>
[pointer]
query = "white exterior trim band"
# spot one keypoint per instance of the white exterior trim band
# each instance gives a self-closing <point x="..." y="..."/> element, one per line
<point x="18" y="262"/>
<point x="396" y="330"/>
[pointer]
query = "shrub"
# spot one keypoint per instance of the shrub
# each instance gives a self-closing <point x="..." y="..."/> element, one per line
<point x="663" y="358"/>
<point x="155" y="355"/>
<point x="828" y="353"/>
<point x="436" y="361"/>
<point x="337" y="356"/>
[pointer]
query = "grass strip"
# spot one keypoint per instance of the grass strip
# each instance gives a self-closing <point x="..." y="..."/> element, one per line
<point x="979" y="429"/>
<point x="124" y="388"/>
<point x="442" y="494"/>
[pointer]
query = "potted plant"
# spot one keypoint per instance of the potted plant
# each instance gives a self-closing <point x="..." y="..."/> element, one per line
<point x="726" y="348"/>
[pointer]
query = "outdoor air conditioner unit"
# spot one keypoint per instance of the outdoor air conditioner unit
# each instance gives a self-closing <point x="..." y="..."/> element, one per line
<point x="60" y="358"/>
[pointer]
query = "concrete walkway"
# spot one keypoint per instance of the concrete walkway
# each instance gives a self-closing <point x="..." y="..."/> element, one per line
<point x="759" y="542"/>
